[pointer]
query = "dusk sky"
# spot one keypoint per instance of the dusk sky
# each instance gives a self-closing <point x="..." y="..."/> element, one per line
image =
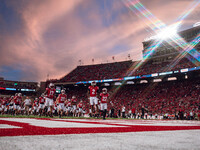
<point x="40" y="37"/>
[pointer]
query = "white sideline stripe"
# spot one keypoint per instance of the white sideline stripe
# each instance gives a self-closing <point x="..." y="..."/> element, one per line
<point x="6" y="126"/>
<point x="144" y="122"/>
<point x="56" y="124"/>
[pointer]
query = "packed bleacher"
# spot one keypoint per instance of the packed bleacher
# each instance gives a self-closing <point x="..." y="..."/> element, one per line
<point x="149" y="67"/>
<point x="122" y="69"/>
<point x="100" y="71"/>
<point x="161" y="98"/>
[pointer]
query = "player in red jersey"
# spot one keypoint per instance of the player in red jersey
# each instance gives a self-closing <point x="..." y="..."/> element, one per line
<point x="17" y="103"/>
<point x="50" y="92"/>
<point x="3" y="105"/>
<point x="92" y="96"/>
<point x="80" y="108"/>
<point x="104" y="100"/>
<point x="69" y="107"/>
<point x="74" y="101"/>
<point x="35" y="106"/>
<point x="61" y="100"/>
<point x="65" y="108"/>
<point x="11" y="105"/>
<point x="41" y="104"/>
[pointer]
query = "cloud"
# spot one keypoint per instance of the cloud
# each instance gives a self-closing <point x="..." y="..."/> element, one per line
<point x="26" y="47"/>
<point x="54" y="35"/>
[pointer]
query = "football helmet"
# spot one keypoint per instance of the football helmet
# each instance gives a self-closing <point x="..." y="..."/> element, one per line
<point x="104" y="90"/>
<point x="63" y="91"/>
<point x="51" y="85"/>
<point x="93" y="83"/>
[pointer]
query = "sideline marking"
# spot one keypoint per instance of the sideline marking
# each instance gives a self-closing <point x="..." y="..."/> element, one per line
<point x="85" y="127"/>
<point x="6" y="126"/>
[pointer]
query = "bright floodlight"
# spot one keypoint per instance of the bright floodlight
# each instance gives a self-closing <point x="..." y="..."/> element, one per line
<point x="196" y="24"/>
<point x="168" y="32"/>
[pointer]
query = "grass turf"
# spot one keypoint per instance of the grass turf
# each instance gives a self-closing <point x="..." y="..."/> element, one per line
<point x="64" y="117"/>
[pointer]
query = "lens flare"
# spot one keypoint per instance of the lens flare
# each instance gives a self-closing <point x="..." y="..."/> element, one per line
<point x="163" y="32"/>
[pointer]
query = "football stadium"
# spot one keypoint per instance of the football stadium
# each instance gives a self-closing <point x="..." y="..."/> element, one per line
<point x="149" y="103"/>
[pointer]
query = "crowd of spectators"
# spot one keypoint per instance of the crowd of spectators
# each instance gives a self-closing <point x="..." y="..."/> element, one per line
<point x="18" y="85"/>
<point x="100" y="71"/>
<point x="122" y="69"/>
<point x="152" y="67"/>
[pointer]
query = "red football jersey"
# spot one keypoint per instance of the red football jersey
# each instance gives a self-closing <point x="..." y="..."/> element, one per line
<point x="93" y="90"/>
<point x="104" y="97"/>
<point x="3" y="101"/>
<point x="17" y="100"/>
<point x="69" y="104"/>
<point x="62" y="98"/>
<point x="50" y="92"/>
<point x="80" y="105"/>
<point x="74" y="101"/>
<point x="42" y="100"/>
<point x="35" y="103"/>
<point x="133" y="110"/>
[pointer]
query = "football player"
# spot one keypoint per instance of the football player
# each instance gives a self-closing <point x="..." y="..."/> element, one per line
<point x="27" y="105"/>
<point x="74" y="101"/>
<point x="61" y="100"/>
<point x="3" y="105"/>
<point x="92" y="96"/>
<point x="80" y="108"/>
<point x="35" y="106"/>
<point x="69" y="107"/>
<point x="104" y="100"/>
<point x="17" y="103"/>
<point x="50" y="92"/>
<point x="41" y="104"/>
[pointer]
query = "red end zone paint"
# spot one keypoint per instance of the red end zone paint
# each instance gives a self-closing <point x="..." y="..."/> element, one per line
<point x="27" y="129"/>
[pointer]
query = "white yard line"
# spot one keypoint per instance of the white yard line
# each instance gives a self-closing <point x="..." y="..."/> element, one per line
<point x="6" y="126"/>
<point x="56" y="124"/>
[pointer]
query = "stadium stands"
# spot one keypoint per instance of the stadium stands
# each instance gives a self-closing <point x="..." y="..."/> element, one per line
<point x="8" y="87"/>
<point x="100" y="71"/>
<point x="18" y="84"/>
<point x="122" y="69"/>
<point x="149" y="67"/>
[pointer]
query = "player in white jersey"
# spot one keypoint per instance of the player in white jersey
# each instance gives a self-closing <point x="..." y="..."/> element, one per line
<point x="27" y="105"/>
